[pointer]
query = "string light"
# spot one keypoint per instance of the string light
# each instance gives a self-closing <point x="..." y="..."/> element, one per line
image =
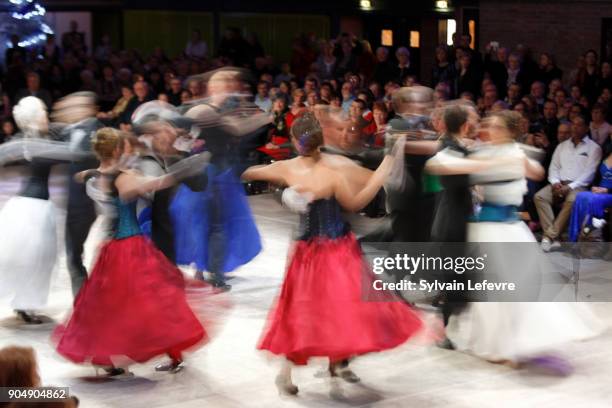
<point x="27" y="14"/>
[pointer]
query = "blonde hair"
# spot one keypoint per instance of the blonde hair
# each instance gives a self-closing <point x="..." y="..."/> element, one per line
<point x="105" y="142"/>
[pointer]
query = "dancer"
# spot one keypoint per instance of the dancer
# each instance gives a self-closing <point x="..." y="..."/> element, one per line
<point x="78" y="111"/>
<point x="215" y="229"/>
<point x="133" y="306"/>
<point x="161" y="126"/>
<point x="454" y="204"/>
<point x="505" y="332"/>
<point x="320" y="312"/>
<point x="28" y="240"/>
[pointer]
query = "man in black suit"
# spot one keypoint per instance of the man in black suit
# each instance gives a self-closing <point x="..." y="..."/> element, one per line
<point x="78" y="110"/>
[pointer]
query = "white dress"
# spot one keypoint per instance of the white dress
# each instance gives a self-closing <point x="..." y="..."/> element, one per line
<point x="515" y="330"/>
<point x="28" y="242"/>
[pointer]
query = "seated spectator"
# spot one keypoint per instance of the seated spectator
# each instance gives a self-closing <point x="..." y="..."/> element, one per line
<point x="383" y="70"/>
<point x="513" y="95"/>
<point x="33" y="89"/>
<point x="325" y="92"/>
<point x="347" y="95"/>
<point x="126" y="96"/>
<point x="468" y="78"/>
<point x="186" y="96"/>
<point x="285" y="74"/>
<point x="195" y="88"/>
<point x="8" y="130"/>
<point x="538" y="93"/>
<point x="600" y="129"/>
<point x="298" y="97"/>
<point x="141" y="95"/>
<point x="262" y="100"/>
<point x="571" y="170"/>
<point x="554" y="86"/>
<point x="196" y="48"/>
<point x="404" y="67"/>
<point x="312" y="99"/>
<point x="19" y="369"/>
<point x="174" y="94"/>
<point x="163" y="97"/>
<point x="443" y="71"/>
<point x="593" y="204"/>
<point x="547" y="70"/>
<point x="326" y="63"/>
<point x="380" y="115"/>
<point x="277" y="146"/>
<point x="564" y="131"/>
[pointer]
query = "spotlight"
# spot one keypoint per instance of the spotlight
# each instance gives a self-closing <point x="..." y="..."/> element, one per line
<point x="365" y="4"/>
<point x="442" y="5"/>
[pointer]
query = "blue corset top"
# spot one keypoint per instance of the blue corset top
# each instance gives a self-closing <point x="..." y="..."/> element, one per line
<point x="323" y="219"/>
<point x="127" y="222"/>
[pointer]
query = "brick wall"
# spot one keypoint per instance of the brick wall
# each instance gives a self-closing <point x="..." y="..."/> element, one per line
<point x="564" y="28"/>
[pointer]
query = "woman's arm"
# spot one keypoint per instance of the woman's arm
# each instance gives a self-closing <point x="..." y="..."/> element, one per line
<point x="534" y="170"/>
<point x="131" y="185"/>
<point x="274" y="173"/>
<point x="444" y="164"/>
<point x="354" y="202"/>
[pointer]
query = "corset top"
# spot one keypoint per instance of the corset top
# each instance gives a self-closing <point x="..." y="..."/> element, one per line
<point x="127" y="222"/>
<point x="323" y="219"/>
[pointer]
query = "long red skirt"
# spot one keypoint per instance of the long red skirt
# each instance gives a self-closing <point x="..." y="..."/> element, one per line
<point x="131" y="309"/>
<point x="320" y="311"/>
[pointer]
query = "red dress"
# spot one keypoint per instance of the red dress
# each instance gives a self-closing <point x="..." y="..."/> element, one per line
<point x="133" y="306"/>
<point x="320" y="311"/>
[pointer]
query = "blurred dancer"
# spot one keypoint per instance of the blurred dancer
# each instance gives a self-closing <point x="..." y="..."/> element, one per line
<point x="161" y="126"/>
<point x="320" y="312"/>
<point x="454" y="205"/>
<point x="78" y="111"/>
<point x="506" y="332"/>
<point x="28" y="247"/>
<point x="215" y="229"/>
<point x="133" y="307"/>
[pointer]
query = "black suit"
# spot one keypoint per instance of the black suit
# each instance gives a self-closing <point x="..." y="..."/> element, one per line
<point x="81" y="212"/>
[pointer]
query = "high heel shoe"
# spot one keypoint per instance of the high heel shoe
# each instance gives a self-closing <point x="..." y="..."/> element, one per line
<point x="29" y="318"/>
<point x="285" y="386"/>
<point x="344" y="372"/>
<point x="172" y="367"/>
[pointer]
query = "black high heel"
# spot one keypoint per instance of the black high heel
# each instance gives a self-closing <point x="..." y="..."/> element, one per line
<point x="172" y="367"/>
<point x="343" y="371"/>
<point x="29" y="318"/>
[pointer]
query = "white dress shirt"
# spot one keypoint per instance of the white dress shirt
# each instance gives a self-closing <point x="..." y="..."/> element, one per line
<point x="575" y="163"/>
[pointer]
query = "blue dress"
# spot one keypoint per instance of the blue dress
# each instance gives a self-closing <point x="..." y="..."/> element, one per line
<point x="214" y="228"/>
<point x="589" y="204"/>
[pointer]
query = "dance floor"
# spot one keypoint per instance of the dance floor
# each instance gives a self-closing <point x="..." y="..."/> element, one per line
<point x="230" y="372"/>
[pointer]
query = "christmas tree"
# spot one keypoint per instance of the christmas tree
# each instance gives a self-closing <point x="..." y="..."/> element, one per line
<point x="25" y="18"/>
